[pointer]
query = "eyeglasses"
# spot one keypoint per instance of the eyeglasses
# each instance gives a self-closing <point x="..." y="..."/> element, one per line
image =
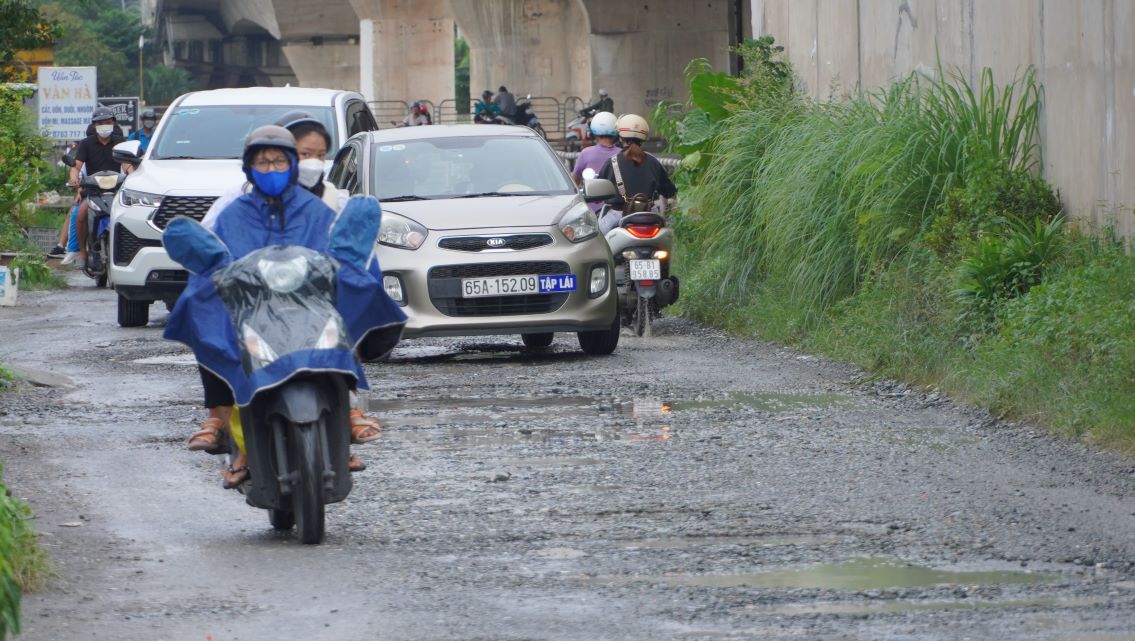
<point x="279" y="164"/>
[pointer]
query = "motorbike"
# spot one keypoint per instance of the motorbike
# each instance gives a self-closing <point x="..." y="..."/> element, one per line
<point x="287" y="353"/>
<point x="101" y="188"/>
<point x="641" y="245"/>
<point x="577" y="133"/>
<point x="524" y="115"/>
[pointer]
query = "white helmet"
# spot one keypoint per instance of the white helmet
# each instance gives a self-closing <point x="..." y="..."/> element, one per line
<point x="603" y="92"/>
<point x="632" y="127"/>
<point x="604" y="124"/>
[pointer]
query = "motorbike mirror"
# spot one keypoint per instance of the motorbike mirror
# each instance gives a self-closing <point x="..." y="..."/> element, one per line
<point x="528" y="97"/>
<point x="598" y="190"/>
<point x="68" y="158"/>
<point x="589" y="174"/>
<point x="129" y="152"/>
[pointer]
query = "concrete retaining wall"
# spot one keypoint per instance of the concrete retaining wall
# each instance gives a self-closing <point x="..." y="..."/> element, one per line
<point x="1082" y="50"/>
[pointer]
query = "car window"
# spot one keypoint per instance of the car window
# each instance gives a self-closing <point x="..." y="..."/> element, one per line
<point x="466" y="166"/>
<point x="359" y="118"/>
<point x="218" y="131"/>
<point x="344" y="173"/>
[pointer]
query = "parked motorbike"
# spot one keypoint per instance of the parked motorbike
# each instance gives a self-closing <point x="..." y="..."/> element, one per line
<point x="101" y="188"/>
<point x="291" y="384"/>
<point x="641" y="245"/>
<point x="527" y="117"/>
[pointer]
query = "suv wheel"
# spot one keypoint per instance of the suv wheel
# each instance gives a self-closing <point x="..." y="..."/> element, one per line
<point x="133" y="313"/>
<point x="601" y="342"/>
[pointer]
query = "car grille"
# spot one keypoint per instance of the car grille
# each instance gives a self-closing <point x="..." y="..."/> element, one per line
<point x="445" y="289"/>
<point x="173" y="206"/>
<point x="127" y="245"/>
<point x="516" y="242"/>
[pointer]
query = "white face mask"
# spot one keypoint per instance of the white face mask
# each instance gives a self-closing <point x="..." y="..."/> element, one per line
<point x="310" y="171"/>
<point x="104" y="130"/>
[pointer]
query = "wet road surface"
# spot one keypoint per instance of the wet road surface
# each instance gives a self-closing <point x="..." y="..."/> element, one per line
<point x="690" y="486"/>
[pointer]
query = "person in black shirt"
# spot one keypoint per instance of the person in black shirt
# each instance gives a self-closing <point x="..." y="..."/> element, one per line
<point x="95" y="152"/>
<point x="642" y="174"/>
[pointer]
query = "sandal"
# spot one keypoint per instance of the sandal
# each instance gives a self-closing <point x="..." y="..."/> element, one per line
<point x="234" y="476"/>
<point x="208" y="436"/>
<point x="355" y="464"/>
<point x="364" y="429"/>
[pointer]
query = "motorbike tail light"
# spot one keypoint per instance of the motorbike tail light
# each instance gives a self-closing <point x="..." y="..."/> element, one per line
<point x="643" y="231"/>
<point x="646" y="283"/>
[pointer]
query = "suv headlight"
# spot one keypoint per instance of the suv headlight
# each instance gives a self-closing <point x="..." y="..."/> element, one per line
<point x="131" y="198"/>
<point x="399" y="231"/>
<point x="579" y="226"/>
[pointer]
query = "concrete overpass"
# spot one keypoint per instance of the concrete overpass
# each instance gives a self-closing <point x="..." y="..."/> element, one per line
<point x="556" y="48"/>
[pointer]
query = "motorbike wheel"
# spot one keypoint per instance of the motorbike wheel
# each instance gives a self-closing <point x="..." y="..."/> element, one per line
<point x="104" y="254"/>
<point x="307" y="492"/>
<point x="538" y="340"/>
<point x="641" y="323"/>
<point x="281" y="519"/>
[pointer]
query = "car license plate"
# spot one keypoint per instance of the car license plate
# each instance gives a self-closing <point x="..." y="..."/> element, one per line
<point x="646" y="269"/>
<point x="517" y="285"/>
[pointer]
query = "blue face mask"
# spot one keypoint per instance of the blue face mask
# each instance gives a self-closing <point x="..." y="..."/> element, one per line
<point x="272" y="183"/>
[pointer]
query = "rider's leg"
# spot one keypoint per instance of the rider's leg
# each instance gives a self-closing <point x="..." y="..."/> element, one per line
<point x="219" y="402"/>
<point x="81" y="227"/>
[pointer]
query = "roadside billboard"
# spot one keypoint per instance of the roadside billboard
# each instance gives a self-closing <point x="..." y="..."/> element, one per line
<point x="125" y="110"/>
<point x="67" y="96"/>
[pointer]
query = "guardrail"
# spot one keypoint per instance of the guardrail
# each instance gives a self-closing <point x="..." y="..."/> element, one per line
<point x="387" y="111"/>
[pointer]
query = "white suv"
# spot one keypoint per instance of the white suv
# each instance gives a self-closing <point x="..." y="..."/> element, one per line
<point x="194" y="157"/>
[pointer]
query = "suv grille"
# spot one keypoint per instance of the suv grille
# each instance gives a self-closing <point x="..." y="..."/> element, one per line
<point x="172" y="206"/>
<point x="445" y="289"/>
<point x="127" y="245"/>
<point x="515" y="242"/>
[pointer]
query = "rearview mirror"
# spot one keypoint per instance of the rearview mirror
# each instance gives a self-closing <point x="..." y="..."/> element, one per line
<point x="129" y="152"/>
<point x="598" y="190"/>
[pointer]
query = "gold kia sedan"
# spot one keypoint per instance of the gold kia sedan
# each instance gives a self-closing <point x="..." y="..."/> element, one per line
<point x="483" y="232"/>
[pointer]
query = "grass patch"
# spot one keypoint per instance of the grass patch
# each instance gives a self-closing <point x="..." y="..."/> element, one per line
<point x="905" y="230"/>
<point x="23" y="564"/>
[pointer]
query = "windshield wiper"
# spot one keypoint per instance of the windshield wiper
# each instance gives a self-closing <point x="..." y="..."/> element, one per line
<point x="495" y="193"/>
<point x="185" y="158"/>
<point x="396" y="199"/>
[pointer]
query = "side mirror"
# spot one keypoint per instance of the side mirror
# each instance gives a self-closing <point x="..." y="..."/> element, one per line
<point x="69" y="158"/>
<point x="129" y="152"/>
<point x="598" y="190"/>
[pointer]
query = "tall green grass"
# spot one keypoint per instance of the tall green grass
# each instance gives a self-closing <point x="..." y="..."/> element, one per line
<point x="810" y="198"/>
<point x="23" y="564"/>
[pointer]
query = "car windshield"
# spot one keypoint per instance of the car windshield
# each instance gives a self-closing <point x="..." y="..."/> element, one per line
<point x="467" y="166"/>
<point x="219" y="131"/>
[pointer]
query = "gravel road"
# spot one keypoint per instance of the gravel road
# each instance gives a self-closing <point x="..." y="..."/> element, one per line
<point x="690" y="486"/>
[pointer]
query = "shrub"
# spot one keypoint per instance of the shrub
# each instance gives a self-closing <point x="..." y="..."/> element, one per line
<point x="23" y="565"/>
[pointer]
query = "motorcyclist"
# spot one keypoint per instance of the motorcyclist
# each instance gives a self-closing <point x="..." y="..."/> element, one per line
<point x="277" y="212"/>
<point x="594" y="157"/>
<point x="638" y="176"/>
<point x="485" y="111"/>
<point x="419" y="115"/>
<point x="506" y="103"/>
<point x="605" y="103"/>
<point x="95" y="153"/>
<point x="144" y="133"/>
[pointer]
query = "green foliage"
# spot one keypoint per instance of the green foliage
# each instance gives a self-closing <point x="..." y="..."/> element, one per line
<point x="22" y="27"/>
<point x="461" y="74"/>
<point x="34" y="272"/>
<point x="23" y="565"/>
<point x="163" y="84"/>
<point x="22" y="166"/>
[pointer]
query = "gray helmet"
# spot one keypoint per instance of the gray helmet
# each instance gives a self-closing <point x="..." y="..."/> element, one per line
<point x="269" y="136"/>
<point x="149" y="115"/>
<point x="101" y="113"/>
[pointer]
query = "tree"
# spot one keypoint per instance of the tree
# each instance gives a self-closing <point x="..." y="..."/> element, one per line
<point x="22" y="26"/>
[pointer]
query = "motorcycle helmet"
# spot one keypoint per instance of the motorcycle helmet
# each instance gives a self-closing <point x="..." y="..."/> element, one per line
<point x="270" y="136"/>
<point x="603" y="124"/>
<point x="602" y="93"/>
<point x="632" y="127"/>
<point x="101" y="113"/>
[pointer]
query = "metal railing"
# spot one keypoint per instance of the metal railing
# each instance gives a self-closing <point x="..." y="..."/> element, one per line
<point x="387" y="111"/>
<point x="669" y="162"/>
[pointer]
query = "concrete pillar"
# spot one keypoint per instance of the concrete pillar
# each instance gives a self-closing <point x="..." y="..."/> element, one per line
<point x="539" y="47"/>
<point x="640" y="50"/>
<point x="413" y="41"/>
<point x="320" y="41"/>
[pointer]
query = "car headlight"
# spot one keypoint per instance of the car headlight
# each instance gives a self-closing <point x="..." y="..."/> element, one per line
<point x="258" y="349"/>
<point x="401" y="232"/>
<point x="283" y="276"/>
<point x="131" y="198"/>
<point x="579" y="226"/>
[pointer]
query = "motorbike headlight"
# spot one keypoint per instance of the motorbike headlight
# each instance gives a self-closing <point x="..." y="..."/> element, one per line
<point x="132" y="198"/>
<point x="331" y="336"/>
<point x="258" y="349"/>
<point x="401" y="232"/>
<point x="283" y="276"/>
<point x="580" y="225"/>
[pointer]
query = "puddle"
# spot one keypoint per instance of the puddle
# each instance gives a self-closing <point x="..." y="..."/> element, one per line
<point x="890" y="607"/>
<point x="550" y="461"/>
<point x="167" y="359"/>
<point x="764" y="401"/>
<point x="772" y="540"/>
<point x="855" y="574"/>
<point x="470" y="438"/>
